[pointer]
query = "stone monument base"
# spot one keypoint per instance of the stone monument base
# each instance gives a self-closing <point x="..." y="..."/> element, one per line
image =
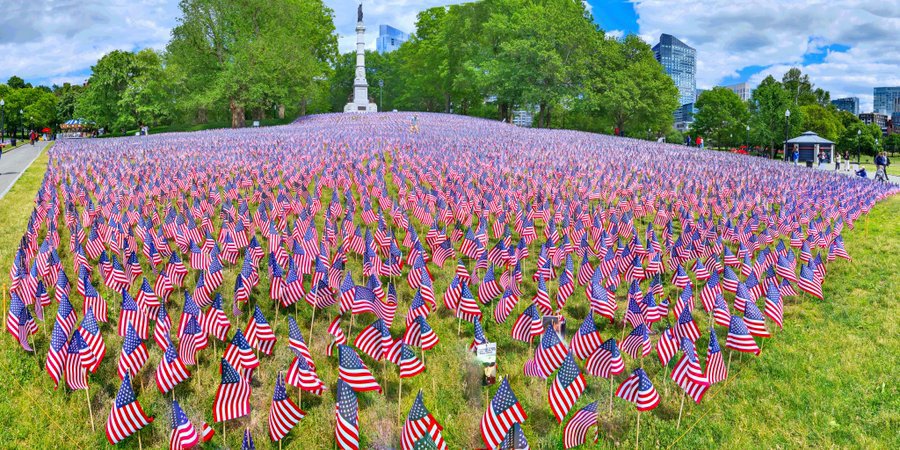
<point x="360" y="108"/>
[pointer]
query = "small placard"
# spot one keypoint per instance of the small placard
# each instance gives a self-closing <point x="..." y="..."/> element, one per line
<point x="486" y="353"/>
<point x="255" y="124"/>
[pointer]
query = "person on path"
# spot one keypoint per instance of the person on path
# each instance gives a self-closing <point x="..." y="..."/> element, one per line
<point x="837" y="162"/>
<point x="846" y="161"/>
<point x="881" y="163"/>
<point x="796" y="157"/>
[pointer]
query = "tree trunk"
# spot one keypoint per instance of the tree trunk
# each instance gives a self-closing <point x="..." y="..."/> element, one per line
<point x="541" y="112"/>
<point x="447" y="103"/>
<point x="281" y="111"/>
<point x="201" y="115"/>
<point x="237" y="115"/>
<point x="504" y="108"/>
<point x="303" y="104"/>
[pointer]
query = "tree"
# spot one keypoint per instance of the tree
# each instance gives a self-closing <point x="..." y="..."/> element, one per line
<point x="859" y="137"/>
<point x="768" y="104"/>
<point x="251" y="55"/>
<point x="822" y="121"/>
<point x="15" y="82"/>
<point x="67" y="96"/>
<point x="802" y="91"/>
<point x="109" y="79"/>
<point x="720" y="114"/>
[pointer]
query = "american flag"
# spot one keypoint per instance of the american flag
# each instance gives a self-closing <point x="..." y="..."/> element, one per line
<point x="666" y="346"/>
<point x="575" y="432"/>
<point x="19" y="322"/>
<point x="284" y="413"/>
<point x="374" y="340"/>
<point x="92" y="300"/>
<point x="515" y="439"/>
<point x="215" y="322"/>
<point x="420" y="424"/>
<point x="756" y="323"/>
<point x="296" y="342"/>
<point x="65" y="315"/>
<point x="686" y="327"/>
<point x="688" y="374"/>
<point x="163" y="327"/>
<point x="126" y="416"/>
<point x="184" y="435"/>
<point x="420" y="334"/>
<point x="354" y="372"/>
<point x="247" y="442"/>
<point x="346" y="412"/>
<point x="240" y="355"/>
<point x="528" y="325"/>
<point x="542" y="297"/>
<point x="132" y="315"/>
<point x="57" y="354"/>
<point x="567" y="388"/>
<point x="503" y="411"/>
<point x="773" y="307"/>
<point x="739" y="337"/>
<point x="171" y="370"/>
<point x="233" y="395"/>
<point x="715" y="362"/>
<point x="587" y="339"/>
<point x="638" y="389"/>
<point x="302" y="374"/>
<point x="259" y="334"/>
<point x="505" y="306"/>
<point x="637" y="343"/>
<point x="147" y="298"/>
<point x="606" y="361"/>
<point x="410" y="366"/>
<point x="416" y="308"/>
<point x="548" y="356"/>
<point x="192" y="341"/>
<point x="478" y="335"/>
<point x="134" y="354"/>
<point x="808" y="282"/>
<point x="79" y="359"/>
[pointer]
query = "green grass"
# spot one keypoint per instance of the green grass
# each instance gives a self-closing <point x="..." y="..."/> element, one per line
<point x="826" y="380"/>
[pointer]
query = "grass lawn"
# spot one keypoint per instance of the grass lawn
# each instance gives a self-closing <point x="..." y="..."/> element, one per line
<point x="827" y="380"/>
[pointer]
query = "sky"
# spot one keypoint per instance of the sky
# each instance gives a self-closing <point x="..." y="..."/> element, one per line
<point x="847" y="47"/>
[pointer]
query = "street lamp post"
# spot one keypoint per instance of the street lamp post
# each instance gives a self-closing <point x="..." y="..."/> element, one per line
<point x="2" y="127"/>
<point x="858" y="136"/>
<point x="381" y="95"/>
<point x="22" y="122"/>
<point x="787" y="130"/>
<point x="747" y="142"/>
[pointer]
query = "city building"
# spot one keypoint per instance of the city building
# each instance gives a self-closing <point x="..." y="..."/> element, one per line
<point x="389" y="39"/>
<point x="849" y="104"/>
<point x="523" y="117"/>
<point x="741" y="89"/>
<point x="876" y="118"/>
<point x="885" y="98"/>
<point x="894" y="125"/>
<point x="684" y="117"/>
<point x="680" y="63"/>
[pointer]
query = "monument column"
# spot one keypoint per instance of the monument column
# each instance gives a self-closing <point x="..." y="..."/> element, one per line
<point x="360" y="102"/>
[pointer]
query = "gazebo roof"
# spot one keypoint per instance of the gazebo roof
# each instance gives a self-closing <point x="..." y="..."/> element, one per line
<point x="809" y="137"/>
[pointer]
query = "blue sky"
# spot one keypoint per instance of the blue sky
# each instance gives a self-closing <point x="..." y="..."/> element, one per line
<point x="847" y="46"/>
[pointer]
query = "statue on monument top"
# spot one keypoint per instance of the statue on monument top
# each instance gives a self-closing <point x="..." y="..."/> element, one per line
<point x="359" y="15"/>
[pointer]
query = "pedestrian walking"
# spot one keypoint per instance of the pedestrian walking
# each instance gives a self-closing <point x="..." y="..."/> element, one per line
<point x="837" y="162"/>
<point x="796" y="157"/>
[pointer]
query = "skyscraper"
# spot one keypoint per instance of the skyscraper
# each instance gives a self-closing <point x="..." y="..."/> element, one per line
<point x="741" y="89"/>
<point x="680" y="62"/>
<point x="885" y="98"/>
<point x="389" y="39"/>
<point x="849" y="104"/>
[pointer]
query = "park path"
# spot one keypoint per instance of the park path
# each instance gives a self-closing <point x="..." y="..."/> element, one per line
<point x="14" y="162"/>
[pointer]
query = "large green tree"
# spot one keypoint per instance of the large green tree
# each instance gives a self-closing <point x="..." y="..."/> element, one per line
<point x="251" y="55"/>
<point x="721" y="115"/>
<point x="768" y="123"/>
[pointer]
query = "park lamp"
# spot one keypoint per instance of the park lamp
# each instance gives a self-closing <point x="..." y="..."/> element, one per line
<point x="787" y="113"/>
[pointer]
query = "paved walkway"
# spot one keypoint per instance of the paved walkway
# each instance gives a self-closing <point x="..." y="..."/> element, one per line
<point x="14" y="162"/>
<point x="870" y="171"/>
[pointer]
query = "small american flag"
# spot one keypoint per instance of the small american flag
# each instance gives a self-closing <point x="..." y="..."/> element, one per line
<point x="567" y="388"/>
<point x="79" y="359"/>
<point x="284" y="413"/>
<point x="56" y="354"/>
<point x="606" y="361"/>
<point x="503" y="411"/>
<point x="587" y="339"/>
<point x="528" y="325"/>
<point x="184" y="435"/>
<point x="715" y="363"/>
<point x="171" y="370"/>
<point x="233" y="395"/>
<point x="134" y="354"/>
<point x="346" y="412"/>
<point x="575" y="432"/>
<point x="259" y="333"/>
<point x="239" y="354"/>
<point x="303" y="375"/>
<point x="638" y="389"/>
<point x="354" y="372"/>
<point x="420" y="424"/>
<point x="126" y="416"/>
<point x="739" y="337"/>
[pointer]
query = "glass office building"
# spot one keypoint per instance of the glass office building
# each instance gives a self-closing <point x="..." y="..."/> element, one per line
<point x="680" y="62"/>
<point x="885" y="98"/>
<point x="849" y="104"/>
<point x="389" y="39"/>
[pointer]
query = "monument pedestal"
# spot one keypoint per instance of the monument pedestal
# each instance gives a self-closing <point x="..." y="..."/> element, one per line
<point x="360" y="103"/>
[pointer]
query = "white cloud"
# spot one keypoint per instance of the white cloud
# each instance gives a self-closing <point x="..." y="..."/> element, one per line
<point x="731" y="35"/>
<point x="58" y="40"/>
<point x="615" y="34"/>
